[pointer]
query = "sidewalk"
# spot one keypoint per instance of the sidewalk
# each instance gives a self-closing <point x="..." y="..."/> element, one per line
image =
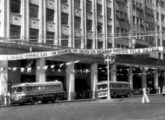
<point x="113" y="100"/>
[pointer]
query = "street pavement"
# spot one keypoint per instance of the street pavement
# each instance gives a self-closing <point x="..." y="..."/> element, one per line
<point x="115" y="109"/>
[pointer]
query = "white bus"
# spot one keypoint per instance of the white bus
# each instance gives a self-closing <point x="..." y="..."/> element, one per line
<point x="117" y="89"/>
<point x="39" y="91"/>
<point x="163" y="91"/>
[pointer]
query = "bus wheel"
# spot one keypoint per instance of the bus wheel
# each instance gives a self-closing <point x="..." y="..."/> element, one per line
<point x="22" y="103"/>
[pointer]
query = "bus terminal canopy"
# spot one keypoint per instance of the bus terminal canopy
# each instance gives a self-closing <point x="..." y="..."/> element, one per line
<point x="103" y="52"/>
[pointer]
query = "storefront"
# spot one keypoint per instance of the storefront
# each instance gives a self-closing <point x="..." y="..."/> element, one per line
<point x="79" y="70"/>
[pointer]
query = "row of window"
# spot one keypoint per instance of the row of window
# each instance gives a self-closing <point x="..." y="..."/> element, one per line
<point x="43" y="88"/>
<point x="37" y="88"/>
<point x="34" y="9"/>
<point x="50" y="36"/>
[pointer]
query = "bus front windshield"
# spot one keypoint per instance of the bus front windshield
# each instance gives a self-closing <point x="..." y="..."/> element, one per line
<point x="103" y="86"/>
<point x="16" y="89"/>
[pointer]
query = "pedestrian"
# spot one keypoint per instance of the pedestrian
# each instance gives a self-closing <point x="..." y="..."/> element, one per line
<point x="145" y="98"/>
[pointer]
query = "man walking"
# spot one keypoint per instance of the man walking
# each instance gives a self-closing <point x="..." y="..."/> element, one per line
<point x="145" y="98"/>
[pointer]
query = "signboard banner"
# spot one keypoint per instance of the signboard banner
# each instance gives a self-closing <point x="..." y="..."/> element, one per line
<point x="105" y="52"/>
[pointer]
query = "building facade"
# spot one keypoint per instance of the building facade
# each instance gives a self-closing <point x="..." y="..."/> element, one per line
<point x="44" y="25"/>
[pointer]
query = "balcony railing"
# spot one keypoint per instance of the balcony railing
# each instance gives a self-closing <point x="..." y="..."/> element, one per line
<point x="34" y="22"/>
<point x="89" y="15"/>
<point x="100" y="18"/>
<point x="99" y="1"/>
<point x="77" y="12"/>
<point x="109" y="21"/>
<point x="50" y="4"/>
<point x="109" y="4"/>
<point x="89" y="34"/>
<point x="65" y="8"/>
<point x="15" y="19"/>
<point x="50" y="26"/>
<point x="78" y="32"/>
<point x="65" y="29"/>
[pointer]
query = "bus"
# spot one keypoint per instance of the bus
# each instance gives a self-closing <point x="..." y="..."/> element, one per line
<point x="163" y="91"/>
<point x="39" y="91"/>
<point x="117" y="89"/>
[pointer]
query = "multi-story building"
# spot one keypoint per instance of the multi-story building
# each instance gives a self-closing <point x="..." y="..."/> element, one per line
<point x="46" y="25"/>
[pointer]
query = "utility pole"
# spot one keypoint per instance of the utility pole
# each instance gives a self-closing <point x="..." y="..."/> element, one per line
<point x="109" y="60"/>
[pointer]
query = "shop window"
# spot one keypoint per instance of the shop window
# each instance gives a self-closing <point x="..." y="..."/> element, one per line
<point x="15" y="31"/>
<point x="33" y="11"/>
<point x="64" y="18"/>
<point x="28" y="78"/>
<point x="49" y="14"/>
<point x="50" y="37"/>
<point x="28" y="63"/>
<point x="15" y="6"/>
<point x="34" y="35"/>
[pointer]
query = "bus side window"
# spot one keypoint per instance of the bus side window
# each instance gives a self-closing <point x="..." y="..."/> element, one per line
<point x="29" y="88"/>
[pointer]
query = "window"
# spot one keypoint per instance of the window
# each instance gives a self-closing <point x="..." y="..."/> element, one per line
<point x="64" y="18"/>
<point x="99" y="9"/>
<point x="100" y="45"/>
<point x="89" y="25"/>
<point x="77" y="3"/>
<point x="89" y="6"/>
<point x="109" y="45"/>
<point x="19" y="89"/>
<point x="109" y="30"/>
<point x="15" y="6"/>
<point x="89" y="43"/>
<point x="64" y="41"/>
<point x="15" y="31"/>
<point x="77" y="22"/>
<point x="64" y="1"/>
<point x="33" y="11"/>
<point x="49" y="14"/>
<point x="50" y="37"/>
<point x="99" y="27"/>
<point x="34" y="35"/>
<point x="109" y="12"/>
<point x="77" y="42"/>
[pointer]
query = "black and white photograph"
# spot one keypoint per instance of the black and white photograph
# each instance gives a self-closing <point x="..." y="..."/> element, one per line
<point x="82" y="60"/>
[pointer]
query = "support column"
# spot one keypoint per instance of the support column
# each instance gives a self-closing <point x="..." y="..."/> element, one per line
<point x="42" y="22"/>
<point x="164" y="78"/>
<point x="156" y="80"/>
<point x="94" y="79"/>
<point x="130" y="77"/>
<point x="113" y="73"/>
<point x="144" y="79"/>
<point x="5" y="19"/>
<point x="25" y="20"/>
<point x="3" y="78"/>
<point x="40" y="72"/>
<point x="70" y="79"/>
